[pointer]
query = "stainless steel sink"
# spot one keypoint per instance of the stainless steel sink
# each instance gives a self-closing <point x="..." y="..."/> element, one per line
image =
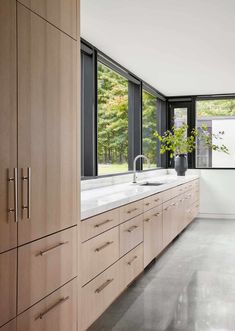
<point x="151" y="184"/>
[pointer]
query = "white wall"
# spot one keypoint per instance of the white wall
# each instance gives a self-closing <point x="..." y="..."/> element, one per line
<point x="217" y="197"/>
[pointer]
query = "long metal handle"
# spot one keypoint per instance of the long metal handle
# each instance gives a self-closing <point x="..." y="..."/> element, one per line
<point x="15" y="181"/>
<point x="103" y="246"/>
<point x="62" y="300"/>
<point x="52" y="248"/>
<point x="132" y="228"/>
<point x="102" y="223"/>
<point x="132" y="210"/>
<point x="99" y="289"/>
<point x="132" y="260"/>
<point x="27" y="178"/>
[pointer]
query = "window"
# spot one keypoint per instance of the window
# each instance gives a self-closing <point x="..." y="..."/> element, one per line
<point x="218" y="115"/>
<point x="180" y="116"/>
<point x="112" y="121"/>
<point x="149" y="127"/>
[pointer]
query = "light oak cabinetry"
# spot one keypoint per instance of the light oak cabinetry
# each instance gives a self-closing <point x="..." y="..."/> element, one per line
<point x="8" y="268"/>
<point x="131" y="234"/>
<point x="61" y="13"/>
<point x="99" y="253"/>
<point x="152" y="234"/>
<point x="38" y="162"/>
<point x="131" y="265"/>
<point x="142" y="230"/>
<point x="8" y="124"/>
<point x="47" y="126"/>
<point x="57" y="312"/>
<point x="45" y="265"/>
<point x="11" y="326"/>
<point x="97" y="295"/>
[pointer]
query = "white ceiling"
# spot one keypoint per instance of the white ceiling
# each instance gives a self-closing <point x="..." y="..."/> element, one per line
<point x="181" y="47"/>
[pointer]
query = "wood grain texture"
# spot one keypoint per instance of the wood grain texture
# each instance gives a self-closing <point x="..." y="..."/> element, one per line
<point x="8" y="113"/>
<point x="152" y="201"/>
<point x="94" y="303"/>
<point x="60" y="318"/>
<point x="47" y="124"/>
<point x="131" y="210"/>
<point x="152" y="234"/>
<point x="131" y="234"/>
<point x="61" y="13"/>
<point x="11" y="326"/>
<point x="93" y="226"/>
<point x="99" y="253"/>
<point x="131" y="265"/>
<point x="39" y="275"/>
<point x="8" y="261"/>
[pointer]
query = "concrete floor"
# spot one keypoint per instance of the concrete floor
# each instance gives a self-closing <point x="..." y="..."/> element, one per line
<point x="191" y="287"/>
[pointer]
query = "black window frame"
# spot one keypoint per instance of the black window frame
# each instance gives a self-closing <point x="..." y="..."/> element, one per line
<point x="89" y="134"/>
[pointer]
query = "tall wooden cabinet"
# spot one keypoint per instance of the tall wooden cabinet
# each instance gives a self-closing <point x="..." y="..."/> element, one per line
<point x="39" y="57"/>
<point x="46" y="126"/>
<point x="8" y="124"/>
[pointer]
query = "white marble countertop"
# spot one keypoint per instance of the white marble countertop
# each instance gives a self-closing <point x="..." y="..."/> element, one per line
<point x="98" y="200"/>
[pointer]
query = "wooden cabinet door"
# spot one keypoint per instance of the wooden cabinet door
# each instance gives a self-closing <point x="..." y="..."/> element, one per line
<point x="47" y="126"/>
<point x="8" y="262"/>
<point x="11" y="326"/>
<point x="8" y="130"/>
<point x="61" y="13"/>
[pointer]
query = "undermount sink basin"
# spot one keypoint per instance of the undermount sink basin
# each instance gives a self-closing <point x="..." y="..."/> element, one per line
<point x="150" y="184"/>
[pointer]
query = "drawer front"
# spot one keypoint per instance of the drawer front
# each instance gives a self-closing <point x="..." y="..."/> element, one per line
<point x="11" y="326"/>
<point x="45" y="265"/>
<point x="170" y="194"/>
<point x="152" y="201"/>
<point x="152" y="234"/>
<point x="131" y="234"/>
<point x="95" y="225"/>
<point x="131" y="210"/>
<point x="99" y="253"/>
<point x="97" y="295"/>
<point x="8" y="272"/>
<point x="131" y="265"/>
<point x="57" y="312"/>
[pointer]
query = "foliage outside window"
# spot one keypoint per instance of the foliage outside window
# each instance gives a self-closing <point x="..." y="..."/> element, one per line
<point x="149" y="127"/>
<point x="180" y="117"/>
<point x="219" y="116"/>
<point x="112" y="121"/>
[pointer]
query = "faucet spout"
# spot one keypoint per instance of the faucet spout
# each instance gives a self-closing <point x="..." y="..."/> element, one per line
<point x="134" y="165"/>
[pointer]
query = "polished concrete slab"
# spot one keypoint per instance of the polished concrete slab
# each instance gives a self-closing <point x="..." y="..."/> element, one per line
<point x="191" y="287"/>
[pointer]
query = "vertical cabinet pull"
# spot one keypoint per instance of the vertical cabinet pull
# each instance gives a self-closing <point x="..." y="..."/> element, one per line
<point x="14" y="180"/>
<point x="26" y="206"/>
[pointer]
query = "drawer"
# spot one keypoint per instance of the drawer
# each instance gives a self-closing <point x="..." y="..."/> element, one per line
<point x="131" y="210"/>
<point x="93" y="226"/>
<point x="131" y="265"/>
<point x="131" y="234"/>
<point x="8" y="272"/>
<point x="170" y="194"/>
<point x="97" y="295"/>
<point x="45" y="265"/>
<point x="99" y="253"/>
<point x="57" y="312"/>
<point x="152" y="201"/>
<point x="11" y="326"/>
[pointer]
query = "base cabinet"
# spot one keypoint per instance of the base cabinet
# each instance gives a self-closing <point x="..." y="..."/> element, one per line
<point x="152" y="234"/>
<point x="57" y="312"/>
<point x="8" y="272"/>
<point x="97" y="295"/>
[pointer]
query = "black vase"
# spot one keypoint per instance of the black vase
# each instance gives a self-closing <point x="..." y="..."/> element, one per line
<point x="181" y="164"/>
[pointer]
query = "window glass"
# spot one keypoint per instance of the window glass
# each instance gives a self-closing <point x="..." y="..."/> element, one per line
<point x="218" y="116"/>
<point x="112" y="121"/>
<point x="180" y="117"/>
<point x="149" y="127"/>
